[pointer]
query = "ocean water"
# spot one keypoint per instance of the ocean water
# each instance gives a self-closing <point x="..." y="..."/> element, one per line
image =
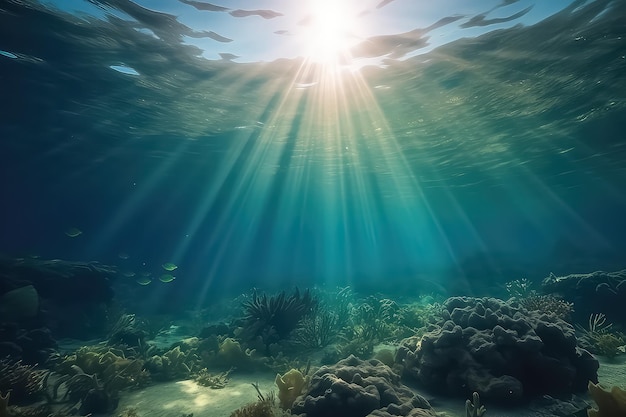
<point x="392" y="148"/>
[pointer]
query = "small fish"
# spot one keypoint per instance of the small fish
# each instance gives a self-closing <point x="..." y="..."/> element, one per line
<point x="129" y="274"/>
<point x="144" y="281"/>
<point x="73" y="232"/>
<point x="167" y="278"/>
<point x="123" y="255"/>
<point x="169" y="266"/>
<point x="146" y="273"/>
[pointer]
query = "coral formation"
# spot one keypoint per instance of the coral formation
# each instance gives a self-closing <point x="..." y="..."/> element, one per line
<point x="86" y="392"/>
<point x="548" y="304"/>
<point x="290" y="386"/>
<point x="473" y="408"/>
<point x="610" y="403"/>
<point x="173" y="364"/>
<point x="353" y="387"/>
<point x="216" y="381"/>
<point x="231" y="354"/>
<point x="498" y="349"/>
<point x="592" y="292"/>
<point x="115" y="371"/>
<point x="386" y="356"/>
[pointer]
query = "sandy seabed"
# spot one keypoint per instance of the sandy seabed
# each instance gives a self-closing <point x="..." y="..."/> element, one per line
<point x="182" y="398"/>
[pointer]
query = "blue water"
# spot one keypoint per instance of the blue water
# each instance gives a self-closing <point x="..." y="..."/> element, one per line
<point x="450" y="160"/>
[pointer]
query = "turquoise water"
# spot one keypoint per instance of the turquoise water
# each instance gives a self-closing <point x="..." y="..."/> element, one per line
<point x="488" y="143"/>
<point x="250" y="188"/>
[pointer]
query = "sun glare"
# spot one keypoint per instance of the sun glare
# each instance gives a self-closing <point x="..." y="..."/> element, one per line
<point x="330" y="30"/>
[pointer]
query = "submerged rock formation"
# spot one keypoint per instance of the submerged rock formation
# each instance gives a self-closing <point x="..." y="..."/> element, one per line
<point x="500" y="350"/>
<point x="357" y="388"/>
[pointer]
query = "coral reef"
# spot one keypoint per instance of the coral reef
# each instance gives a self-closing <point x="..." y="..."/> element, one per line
<point x="610" y="403"/>
<point x="356" y="388"/>
<point x="414" y="317"/>
<point x="498" y="349"/>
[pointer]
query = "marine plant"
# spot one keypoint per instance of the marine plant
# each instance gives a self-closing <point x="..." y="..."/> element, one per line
<point x="25" y="382"/>
<point x="216" y="381"/>
<point x="87" y="394"/>
<point x="356" y="343"/>
<point x="412" y="319"/>
<point x="608" y="344"/>
<point x="127" y="331"/>
<point x="600" y="338"/>
<point x="273" y="318"/>
<point x="265" y="406"/>
<point x="115" y="371"/>
<point x="282" y="363"/>
<point x="38" y="410"/>
<point x="317" y="330"/>
<point x="375" y="318"/>
<point x="341" y="302"/>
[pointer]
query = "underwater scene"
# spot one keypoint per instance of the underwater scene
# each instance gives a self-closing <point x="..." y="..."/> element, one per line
<point x="315" y="208"/>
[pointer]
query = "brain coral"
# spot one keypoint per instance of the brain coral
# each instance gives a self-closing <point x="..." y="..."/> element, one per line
<point x="356" y="388"/>
<point x="500" y="350"/>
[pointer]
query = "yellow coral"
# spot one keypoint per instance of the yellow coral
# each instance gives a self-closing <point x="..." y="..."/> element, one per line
<point x="290" y="386"/>
<point x="610" y="403"/>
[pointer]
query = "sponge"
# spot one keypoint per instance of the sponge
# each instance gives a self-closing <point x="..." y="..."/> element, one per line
<point x="610" y="403"/>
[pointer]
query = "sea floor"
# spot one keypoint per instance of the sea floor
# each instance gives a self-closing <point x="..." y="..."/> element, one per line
<point x="182" y="398"/>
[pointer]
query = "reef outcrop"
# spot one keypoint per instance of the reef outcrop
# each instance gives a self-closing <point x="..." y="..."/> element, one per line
<point x="499" y="349"/>
<point x="357" y="388"/>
